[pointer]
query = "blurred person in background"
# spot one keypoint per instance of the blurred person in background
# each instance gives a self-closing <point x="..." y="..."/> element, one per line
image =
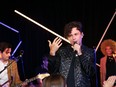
<point x="108" y="61"/>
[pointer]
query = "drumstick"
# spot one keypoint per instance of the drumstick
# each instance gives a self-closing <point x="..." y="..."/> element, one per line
<point x="105" y="30"/>
<point x="105" y="33"/>
<point x="41" y="26"/>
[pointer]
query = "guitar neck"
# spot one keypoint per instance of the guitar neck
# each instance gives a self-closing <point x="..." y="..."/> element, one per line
<point x="27" y="81"/>
<point x="40" y="76"/>
<point x="32" y="79"/>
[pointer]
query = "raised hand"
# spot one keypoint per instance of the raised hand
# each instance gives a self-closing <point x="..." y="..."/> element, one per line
<point x="54" y="46"/>
<point x="110" y="81"/>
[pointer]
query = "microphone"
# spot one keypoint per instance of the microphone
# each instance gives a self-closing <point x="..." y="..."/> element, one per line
<point x="21" y="53"/>
<point x="75" y="43"/>
<point x="76" y="53"/>
<point x="19" y="56"/>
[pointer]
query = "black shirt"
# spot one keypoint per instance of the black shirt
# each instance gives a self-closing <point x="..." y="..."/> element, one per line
<point x="110" y="66"/>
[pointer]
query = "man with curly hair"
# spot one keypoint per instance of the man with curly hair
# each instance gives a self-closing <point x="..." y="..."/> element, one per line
<point x="75" y="61"/>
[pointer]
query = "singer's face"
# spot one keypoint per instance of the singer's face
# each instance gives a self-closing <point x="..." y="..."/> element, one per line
<point x="75" y="36"/>
<point x="6" y="54"/>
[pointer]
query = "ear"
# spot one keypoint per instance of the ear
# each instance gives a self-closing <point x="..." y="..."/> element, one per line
<point x="82" y="34"/>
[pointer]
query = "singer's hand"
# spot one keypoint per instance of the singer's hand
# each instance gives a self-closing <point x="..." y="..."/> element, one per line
<point x="77" y="48"/>
<point x="54" y="46"/>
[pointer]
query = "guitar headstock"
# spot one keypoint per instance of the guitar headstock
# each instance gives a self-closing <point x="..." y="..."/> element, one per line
<point x="43" y="75"/>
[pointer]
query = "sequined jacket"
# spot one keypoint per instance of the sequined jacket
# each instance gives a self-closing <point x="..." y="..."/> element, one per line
<point x="84" y="69"/>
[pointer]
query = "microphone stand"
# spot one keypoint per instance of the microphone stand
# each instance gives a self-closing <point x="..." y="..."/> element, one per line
<point x="23" y="70"/>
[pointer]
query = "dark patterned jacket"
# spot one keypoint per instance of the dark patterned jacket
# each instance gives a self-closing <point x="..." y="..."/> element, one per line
<point x="84" y="69"/>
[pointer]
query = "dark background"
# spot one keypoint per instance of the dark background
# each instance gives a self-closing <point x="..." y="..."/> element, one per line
<point x="95" y="16"/>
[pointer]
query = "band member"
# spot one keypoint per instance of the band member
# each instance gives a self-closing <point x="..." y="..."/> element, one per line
<point x="108" y="61"/>
<point x="76" y="62"/>
<point x="9" y="76"/>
